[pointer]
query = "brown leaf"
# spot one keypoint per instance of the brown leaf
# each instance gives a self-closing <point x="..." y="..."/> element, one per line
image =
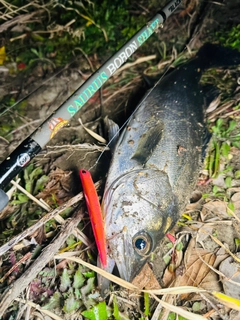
<point x="60" y="186"/>
<point x="170" y="275"/>
<point x="146" y="279"/>
<point x="39" y="235"/>
<point x="214" y="209"/>
<point x="7" y="211"/>
<point x="197" y="270"/>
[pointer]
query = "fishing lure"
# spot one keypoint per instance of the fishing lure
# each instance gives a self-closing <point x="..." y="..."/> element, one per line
<point x="95" y="214"/>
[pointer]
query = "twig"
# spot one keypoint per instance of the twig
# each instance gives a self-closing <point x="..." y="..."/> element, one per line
<point x="225" y="248"/>
<point x="37" y="307"/>
<point x="18" y="20"/>
<point x="138" y="61"/>
<point x="41" y="222"/>
<point x="77" y="233"/>
<point x="28" y="124"/>
<point x="24" y="258"/>
<point x="48" y="253"/>
<point x="30" y="196"/>
<point x="212" y="115"/>
<point x="212" y="305"/>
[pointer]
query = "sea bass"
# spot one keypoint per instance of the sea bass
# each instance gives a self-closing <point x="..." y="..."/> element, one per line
<point x="156" y="163"/>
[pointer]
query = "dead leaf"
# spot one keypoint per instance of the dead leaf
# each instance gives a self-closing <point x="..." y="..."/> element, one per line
<point x="7" y="211"/>
<point x="197" y="269"/>
<point x="215" y="209"/>
<point x="146" y="279"/>
<point x="214" y="104"/>
<point x="39" y="235"/>
<point x="93" y="134"/>
<point x="59" y="187"/>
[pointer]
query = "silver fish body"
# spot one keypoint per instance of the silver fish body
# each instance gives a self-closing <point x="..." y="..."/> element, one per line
<point x="155" y="167"/>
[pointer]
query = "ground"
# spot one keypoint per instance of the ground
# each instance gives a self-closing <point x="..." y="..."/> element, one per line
<point x="204" y="249"/>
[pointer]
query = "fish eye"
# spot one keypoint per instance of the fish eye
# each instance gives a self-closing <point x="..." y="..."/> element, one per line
<point x="142" y="243"/>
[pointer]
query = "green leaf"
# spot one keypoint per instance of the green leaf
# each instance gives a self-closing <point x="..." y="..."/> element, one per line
<point x="35" y="173"/>
<point x="98" y="312"/>
<point x="228" y="182"/>
<point x="27" y="171"/>
<point x="77" y="294"/>
<point x="219" y="124"/>
<point x="215" y="189"/>
<point x="146" y="304"/>
<point x="40" y="184"/>
<point x="232" y="125"/>
<point x="54" y="301"/>
<point x="205" y="195"/>
<point x="116" y="313"/>
<point x="237" y="174"/>
<point x="171" y="316"/>
<point x="22" y="198"/>
<point x="88" y="287"/>
<point x="71" y="240"/>
<point x="78" y="279"/>
<point x="196" y="306"/>
<point x="35" y="52"/>
<point x="237" y="243"/>
<point x="71" y="304"/>
<point x="225" y="149"/>
<point x="28" y="186"/>
<point x="169" y="245"/>
<point x="236" y="144"/>
<point x="167" y="259"/>
<point x="179" y="246"/>
<point x="89" y="274"/>
<point x="231" y="207"/>
<point x="65" y="281"/>
<point x="227" y="169"/>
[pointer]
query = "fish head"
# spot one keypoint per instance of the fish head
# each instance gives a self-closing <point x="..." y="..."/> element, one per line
<point x="139" y="208"/>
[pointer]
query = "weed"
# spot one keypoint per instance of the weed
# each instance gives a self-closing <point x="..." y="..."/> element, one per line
<point x="231" y="37"/>
<point x="224" y="137"/>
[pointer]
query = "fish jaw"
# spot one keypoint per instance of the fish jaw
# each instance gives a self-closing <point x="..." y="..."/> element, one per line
<point x="136" y="209"/>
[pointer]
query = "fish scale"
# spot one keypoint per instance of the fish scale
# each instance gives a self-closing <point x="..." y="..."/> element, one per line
<point x="156" y="163"/>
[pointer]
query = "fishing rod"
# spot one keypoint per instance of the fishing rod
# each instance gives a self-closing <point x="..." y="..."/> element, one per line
<point x="32" y="145"/>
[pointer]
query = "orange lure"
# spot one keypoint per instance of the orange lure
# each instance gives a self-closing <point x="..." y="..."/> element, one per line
<point x="95" y="214"/>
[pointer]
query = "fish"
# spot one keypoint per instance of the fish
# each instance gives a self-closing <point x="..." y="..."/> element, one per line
<point x="156" y="163"/>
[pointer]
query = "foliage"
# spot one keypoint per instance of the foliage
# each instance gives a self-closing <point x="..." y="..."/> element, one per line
<point x="98" y="312"/>
<point x="230" y="37"/>
<point x="173" y="316"/>
<point x="69" y="26"/>
<point x="224" y="137"/>
<point x="220" y="80"/>
<point x="25" y="212"/>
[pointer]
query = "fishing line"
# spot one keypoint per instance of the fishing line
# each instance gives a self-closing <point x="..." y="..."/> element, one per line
<point x="125" y="122"/>
<point x="139" y="105"/>
<point x="33" y="144"/>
